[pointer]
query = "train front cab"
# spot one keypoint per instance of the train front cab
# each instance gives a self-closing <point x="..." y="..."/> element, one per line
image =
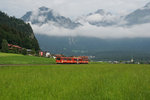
<point x="83" y="61"/>
<point x="58" y="60"/>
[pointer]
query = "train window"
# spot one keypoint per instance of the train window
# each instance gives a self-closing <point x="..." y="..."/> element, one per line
<point x="58" y="58"/>
<point x="80" y="59"/>
<point x="65" y="58"/>
<point x="85" y="59"/>
<point x="69" y="59"/>
<point x="75" y="59"/>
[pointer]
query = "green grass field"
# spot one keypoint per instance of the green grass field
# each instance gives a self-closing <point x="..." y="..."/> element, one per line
<point x="8" y="58"/>
<point x="94" y="81"/>
<point x="75" y="82"/>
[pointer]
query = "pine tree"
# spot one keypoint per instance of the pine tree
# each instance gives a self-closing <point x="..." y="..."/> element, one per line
<point x="4" y="46"/>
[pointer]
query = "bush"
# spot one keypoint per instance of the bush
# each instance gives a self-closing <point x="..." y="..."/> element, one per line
<point x="4" y="46"/>
<point x="24" y="52"/>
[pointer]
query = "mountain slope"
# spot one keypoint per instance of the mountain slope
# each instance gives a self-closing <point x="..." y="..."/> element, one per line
<point x="99" y="18"/>
<point x="17" y="32"/>
<point x="108" y="49"/>
<point x="139" y="16"/>
<point x="44" y="15"/>
<point x="104" y="18"/>
<point x="100" y="35"/>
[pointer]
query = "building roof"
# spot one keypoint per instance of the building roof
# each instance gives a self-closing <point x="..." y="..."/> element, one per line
<point x="15" y="46"/>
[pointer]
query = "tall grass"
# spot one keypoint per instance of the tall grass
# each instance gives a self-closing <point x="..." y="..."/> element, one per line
<point x="75" y="82"/>
<point x="8" y="58"/>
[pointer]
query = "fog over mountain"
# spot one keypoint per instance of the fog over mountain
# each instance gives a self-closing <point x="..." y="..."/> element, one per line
<point x="99" y="18"/>
<point x="100" y="24"/>
<point x="99" y="33"/>
<point x="44" y="15"/>
<point x="139" y="16"/>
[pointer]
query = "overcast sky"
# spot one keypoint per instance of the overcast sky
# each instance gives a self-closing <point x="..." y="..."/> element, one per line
<point x="76" y="8"/>
<point x="71" y="8"/>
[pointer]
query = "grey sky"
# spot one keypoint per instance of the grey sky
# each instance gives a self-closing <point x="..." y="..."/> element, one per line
<point x="71" y="8"/>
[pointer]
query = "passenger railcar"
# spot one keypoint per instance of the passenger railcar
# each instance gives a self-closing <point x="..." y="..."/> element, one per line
<point x="72" y="60"/>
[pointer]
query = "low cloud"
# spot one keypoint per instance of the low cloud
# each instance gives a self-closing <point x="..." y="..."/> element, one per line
<point x="95" y="18"/>
<point x="87" y="30"/>
<point x="71" y="8"/>
<point x="99" y="17"/>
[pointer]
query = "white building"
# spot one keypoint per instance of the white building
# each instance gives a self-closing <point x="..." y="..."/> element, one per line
<point x="47" y="54"/>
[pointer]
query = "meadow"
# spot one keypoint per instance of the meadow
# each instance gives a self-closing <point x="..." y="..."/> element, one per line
<point x="94" y="81"/>
<point x="8" y="58"/>
<point x="75" y="82"/>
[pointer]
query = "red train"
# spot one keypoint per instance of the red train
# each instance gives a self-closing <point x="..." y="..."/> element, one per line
<point x="72" y="60"/>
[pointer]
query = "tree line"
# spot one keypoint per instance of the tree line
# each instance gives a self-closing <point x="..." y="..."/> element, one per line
<point x="17" y="32"/>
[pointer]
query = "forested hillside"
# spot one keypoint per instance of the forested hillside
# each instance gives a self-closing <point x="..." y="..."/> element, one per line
<point x="17" y="32"/>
